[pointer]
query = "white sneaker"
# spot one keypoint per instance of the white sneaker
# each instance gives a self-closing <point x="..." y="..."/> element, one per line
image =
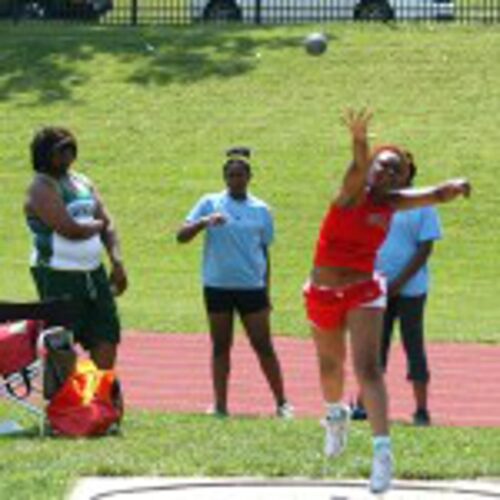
<point x="381" y="476"/>
<point x="285" y="411"/>
<point x="336" y="427"/>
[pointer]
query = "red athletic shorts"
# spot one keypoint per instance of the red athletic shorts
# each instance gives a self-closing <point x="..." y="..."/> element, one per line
<point x="327" y="307"/>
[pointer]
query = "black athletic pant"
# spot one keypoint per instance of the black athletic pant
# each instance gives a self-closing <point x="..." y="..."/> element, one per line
<point x="410" y="313"/>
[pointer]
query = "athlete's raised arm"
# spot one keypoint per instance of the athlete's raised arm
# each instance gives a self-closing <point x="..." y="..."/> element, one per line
<point x="355" y="179"/>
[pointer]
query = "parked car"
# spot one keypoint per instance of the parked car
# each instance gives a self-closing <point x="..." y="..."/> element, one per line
<point x="294" y="11"/>
<point x="55" y="9"/>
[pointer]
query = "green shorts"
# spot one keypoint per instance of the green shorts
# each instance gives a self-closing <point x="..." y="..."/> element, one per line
<point x="95" y="307"/>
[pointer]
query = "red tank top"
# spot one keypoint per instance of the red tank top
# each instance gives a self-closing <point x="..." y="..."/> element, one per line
<point x="351" y="236"/>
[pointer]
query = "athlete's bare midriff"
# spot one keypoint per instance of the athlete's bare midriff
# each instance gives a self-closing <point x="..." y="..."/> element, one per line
<point x="333" y="277"/>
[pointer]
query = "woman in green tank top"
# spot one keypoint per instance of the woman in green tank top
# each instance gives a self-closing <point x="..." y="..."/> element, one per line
<point x="70" y="226"/>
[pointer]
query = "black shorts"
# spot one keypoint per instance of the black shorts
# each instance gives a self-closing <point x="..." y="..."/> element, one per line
<point x="221" y="300"/>
<point x="96" y="316"/>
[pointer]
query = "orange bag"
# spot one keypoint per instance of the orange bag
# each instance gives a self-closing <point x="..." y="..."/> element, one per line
<point x="88" y="403"/>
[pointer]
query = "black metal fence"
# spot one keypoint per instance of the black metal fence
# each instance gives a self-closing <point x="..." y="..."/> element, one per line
<point x="162" y="12"/>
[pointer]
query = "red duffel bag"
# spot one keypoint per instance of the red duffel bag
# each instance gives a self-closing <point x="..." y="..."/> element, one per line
<point x="88" y="404"/>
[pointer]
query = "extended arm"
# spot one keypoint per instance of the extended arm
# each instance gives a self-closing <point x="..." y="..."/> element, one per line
<point x="45" y="202"/>
<point x="354" y="183"/>
<point x="443" y="193"/>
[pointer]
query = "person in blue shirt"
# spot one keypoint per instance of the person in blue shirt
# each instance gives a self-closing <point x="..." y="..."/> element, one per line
<point x="236" y="275"/>
<point x="403" y="259"/>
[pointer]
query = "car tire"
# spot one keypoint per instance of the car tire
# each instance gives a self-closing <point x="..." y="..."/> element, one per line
<point x="373" y="10"/>
<point x="222" y="10"/>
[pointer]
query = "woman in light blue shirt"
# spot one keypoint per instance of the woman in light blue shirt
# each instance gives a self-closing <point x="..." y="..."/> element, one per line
<point x="236" y="275"/>
<point x="403" y="259"/>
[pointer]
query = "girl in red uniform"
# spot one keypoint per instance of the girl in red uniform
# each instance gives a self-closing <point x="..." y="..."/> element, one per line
<point x="343" y="293"/>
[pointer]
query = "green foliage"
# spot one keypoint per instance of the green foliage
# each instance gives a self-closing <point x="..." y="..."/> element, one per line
<point x="152" y="126"/>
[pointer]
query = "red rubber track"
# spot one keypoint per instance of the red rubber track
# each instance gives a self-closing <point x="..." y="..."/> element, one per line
<point x="171" y="372"/>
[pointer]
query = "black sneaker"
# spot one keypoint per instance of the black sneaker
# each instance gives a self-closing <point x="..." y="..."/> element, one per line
<point x="358" y="412"/>
<point x="421" y="418"/>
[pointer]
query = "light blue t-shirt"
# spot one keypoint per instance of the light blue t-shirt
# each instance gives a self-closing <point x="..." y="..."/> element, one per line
<point x="408" y="229"/>
<point x="234" y="252"/>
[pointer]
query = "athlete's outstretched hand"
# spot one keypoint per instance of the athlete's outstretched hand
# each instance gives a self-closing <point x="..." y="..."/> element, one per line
<point x="449" y="190"/>
<point x="357" y="122"/>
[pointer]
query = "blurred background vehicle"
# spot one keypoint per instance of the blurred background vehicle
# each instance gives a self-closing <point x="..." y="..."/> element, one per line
<point x="294" y="11"/>
<point x="55" y="9"/>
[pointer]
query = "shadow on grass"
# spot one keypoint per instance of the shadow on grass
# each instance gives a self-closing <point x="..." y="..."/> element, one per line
<point x="33" y="433"/>
<point x="49" y="62"/>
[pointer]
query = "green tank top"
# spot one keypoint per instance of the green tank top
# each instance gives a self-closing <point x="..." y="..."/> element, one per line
<point x="53" y="250"/>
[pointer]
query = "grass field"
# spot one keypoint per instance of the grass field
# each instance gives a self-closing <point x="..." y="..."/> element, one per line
<point x="191" y="445"/>
<point x="152" y="127"/>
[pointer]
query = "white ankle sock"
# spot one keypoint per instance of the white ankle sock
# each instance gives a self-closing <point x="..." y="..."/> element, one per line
<point x="381" y="443"/>
<point x="335" y="410"/>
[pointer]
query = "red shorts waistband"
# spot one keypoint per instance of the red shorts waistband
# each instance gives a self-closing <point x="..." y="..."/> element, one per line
<point x="327" y="307"/>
